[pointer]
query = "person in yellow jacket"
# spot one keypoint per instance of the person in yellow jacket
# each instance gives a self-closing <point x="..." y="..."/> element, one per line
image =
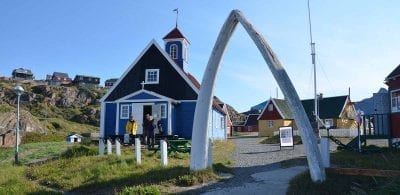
<point x="131" y="127"/>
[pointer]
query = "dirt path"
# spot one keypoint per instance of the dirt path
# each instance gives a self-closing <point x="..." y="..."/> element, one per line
<point x="258" y="169"/>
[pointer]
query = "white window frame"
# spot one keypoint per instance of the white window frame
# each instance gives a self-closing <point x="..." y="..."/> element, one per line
<point x="270" y="123"/>
<point x="395" y="101"/>
<point x="157" y="76"/>
<point x="163" y="110"/>
<point x="270" y="107"/>
<point x="328" y="121"/>
<point x="173" y="50"/>
<point x="123" y="115"/>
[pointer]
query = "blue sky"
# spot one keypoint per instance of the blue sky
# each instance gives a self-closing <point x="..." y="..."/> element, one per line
<point x="357" y="41"/>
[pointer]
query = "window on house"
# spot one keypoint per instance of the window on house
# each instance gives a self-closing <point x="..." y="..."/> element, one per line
<point x="328" y="122"/>
<point x="270" y="124"/>
<point x="152" y="76"/>
<point x="124" y="112"/>
<point x="270" y="107"/>
<point x="174" y="51"/>
<point x="163" y="111"/>
<point x="222" y="122"/>
<point x="395" y="101"/>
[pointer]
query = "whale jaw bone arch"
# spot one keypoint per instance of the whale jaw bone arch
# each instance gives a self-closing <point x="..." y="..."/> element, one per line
<point x="200" y="143"/>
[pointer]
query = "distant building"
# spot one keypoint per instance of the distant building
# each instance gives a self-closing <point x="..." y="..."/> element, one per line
<point x="22" y="74"/>
<point x="4" y="78"/>
<point x="337" y="112"/>
<point x="74" y="138"/>
<point x="393" y="81"/>
<point x="58" y="79"/>
<point x="86" y="81"/>
<point x="109" y="83"/>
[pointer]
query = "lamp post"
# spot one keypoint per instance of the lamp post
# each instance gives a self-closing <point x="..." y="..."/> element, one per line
<point x="18" y="90"/>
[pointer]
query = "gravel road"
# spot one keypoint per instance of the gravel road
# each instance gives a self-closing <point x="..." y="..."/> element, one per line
<point x="257" y="169"/>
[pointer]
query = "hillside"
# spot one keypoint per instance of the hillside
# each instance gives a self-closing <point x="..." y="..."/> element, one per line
<point x="50" y="110"/>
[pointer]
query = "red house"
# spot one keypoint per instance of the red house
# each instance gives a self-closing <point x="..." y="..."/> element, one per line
<point x="393" y="81"/>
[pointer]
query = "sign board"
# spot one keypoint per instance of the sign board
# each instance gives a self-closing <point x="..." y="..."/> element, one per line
<point x="286" y="136"/>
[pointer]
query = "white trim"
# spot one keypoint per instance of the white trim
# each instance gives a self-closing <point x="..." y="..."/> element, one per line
<point x="165" y="111"/>
<point x="146" y="76"/>
<point x="102" y="118"/>
<point x="152" y="42"/>
<point x="391" y="101"/>
<point x="124" y="106"/>
<point x="117" y="121"/>
<point x="188" y="100"/>
<point x="144" y="100"/>
<point x="174" y="45"/>
<point x="169" y="118"/>
<point x="176" y="39"/>
<point x="344" y="106"/>
<point x="125" y="98"/>
<point x="265" y="108"/>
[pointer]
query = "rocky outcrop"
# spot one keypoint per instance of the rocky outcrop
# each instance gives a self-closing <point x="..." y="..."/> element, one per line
<point x="8" y="121"/>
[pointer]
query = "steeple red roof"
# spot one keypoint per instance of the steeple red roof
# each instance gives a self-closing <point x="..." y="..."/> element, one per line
<point x="174" y="34"/>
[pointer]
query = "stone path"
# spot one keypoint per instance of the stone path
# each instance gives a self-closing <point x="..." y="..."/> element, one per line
<point x="257" y="169"/>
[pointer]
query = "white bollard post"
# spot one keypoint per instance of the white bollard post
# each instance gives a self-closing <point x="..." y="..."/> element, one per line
<point x="117" y="147"/>
<point x="137" y="151"/>
<point x="210" y="154"/>
<point x="101" y="146"/>
<point x="325" y="153"/>
<point x="109" y="147"/>
<point x="164" y="153"/>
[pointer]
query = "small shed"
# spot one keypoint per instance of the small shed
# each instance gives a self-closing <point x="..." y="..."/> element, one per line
<point x="73" y="138"/>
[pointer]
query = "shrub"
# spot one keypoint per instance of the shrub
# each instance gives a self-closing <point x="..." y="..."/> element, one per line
<point x="142" y="190"/>
<point x="80" y="150"/>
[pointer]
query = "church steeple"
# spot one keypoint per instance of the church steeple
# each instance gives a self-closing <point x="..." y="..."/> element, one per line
<point x="176" y="45"/>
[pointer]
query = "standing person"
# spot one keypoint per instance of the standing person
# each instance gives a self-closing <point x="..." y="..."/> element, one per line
<point x="149" y="130"/>
<point x="159" y="127"/>
<point x="131" y="128"/>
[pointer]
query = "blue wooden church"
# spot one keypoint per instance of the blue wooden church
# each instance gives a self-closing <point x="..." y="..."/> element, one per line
<point x="156" y="83"/>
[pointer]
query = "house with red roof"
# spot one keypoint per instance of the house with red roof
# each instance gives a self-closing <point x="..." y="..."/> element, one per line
<point x="157" y="83"/>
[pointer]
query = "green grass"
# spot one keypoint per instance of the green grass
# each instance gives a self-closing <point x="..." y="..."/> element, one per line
<point x="78" y="169"/>
<point x="387" y="159"/>
<point x="13" y="181"/>
<point x="58" y="129"/>
<point x="276" y="140"/>
<point x="90" y="174"/>
<point x="33" y="151"/>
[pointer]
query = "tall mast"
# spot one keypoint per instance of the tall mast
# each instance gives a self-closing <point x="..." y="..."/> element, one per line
<point x="312" y="44"/>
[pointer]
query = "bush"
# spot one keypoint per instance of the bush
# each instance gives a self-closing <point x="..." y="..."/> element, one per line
<point x="34" y="137"/>
<point x="80" y="150"/>
<point x="142" y="190"/>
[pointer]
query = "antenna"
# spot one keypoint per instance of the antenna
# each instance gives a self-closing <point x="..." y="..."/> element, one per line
<point x="177" y="14"/>
<point x="312" y="44"/>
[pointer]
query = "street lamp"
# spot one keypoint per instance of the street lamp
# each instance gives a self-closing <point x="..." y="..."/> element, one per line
<point x="18" y="90"/>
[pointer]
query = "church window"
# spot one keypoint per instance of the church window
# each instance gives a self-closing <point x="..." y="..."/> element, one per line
<point x="152" y="76"/>
<point x="174" y="51"/>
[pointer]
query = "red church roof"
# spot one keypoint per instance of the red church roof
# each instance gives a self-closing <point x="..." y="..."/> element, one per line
<point x="198" y="85"/>
<point x="175" y="34"/>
